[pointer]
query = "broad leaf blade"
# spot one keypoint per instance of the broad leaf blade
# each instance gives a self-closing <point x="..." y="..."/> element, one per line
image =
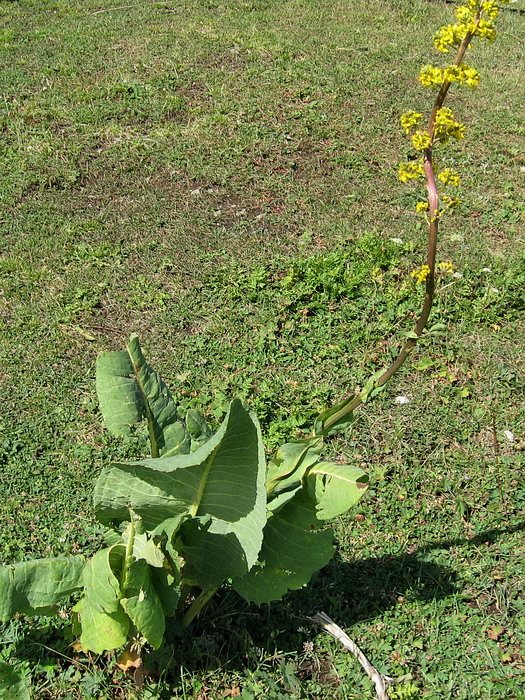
<point x="143" y="605"/>
<point x="101" y="631"/>
<point x="104" y="622"/>
<point x="291" y="553"/>
<point x="335" y="488"/>
<point x="119" y="397"/>
<point x="129" y="390"/>
<point x="37" y="587"/>
<point x="223" y="479"/>
<point x="167" y="586"/>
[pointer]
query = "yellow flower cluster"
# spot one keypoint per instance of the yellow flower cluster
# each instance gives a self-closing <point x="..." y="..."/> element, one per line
<point x="431" y="76"/>
<point x="409" y="120"/>
<point x="485" y="29"/>
<point x="413" y="170"/>
<point x="451" y="35"/>
<point x="421" y="140"/>
<point x="490" y="8"/>
<point x="475" y="18"/>
<point x="446" y="127"/>
<point x="450" y="177"/>
<point x="421" y="273"/>
<point x="450" y="202"/>
<point x="446" y="267"/>
<point x="461" y="74"/>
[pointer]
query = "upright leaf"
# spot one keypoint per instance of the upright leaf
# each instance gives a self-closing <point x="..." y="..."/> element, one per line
<point x="129" y="390"/>
<point x="36" y="587"/>
<point x="104" y="622"/>
<point x="222" y="479"/>
<point x="335" y="488"/>
<point x="291" y="553"/>
<point x="143" y="605"/>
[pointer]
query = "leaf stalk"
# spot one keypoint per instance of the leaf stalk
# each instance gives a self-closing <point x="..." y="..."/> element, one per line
<point x="197" y="606"/>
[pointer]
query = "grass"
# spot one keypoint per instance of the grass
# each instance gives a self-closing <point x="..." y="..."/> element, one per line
<point x="219" y="179"/>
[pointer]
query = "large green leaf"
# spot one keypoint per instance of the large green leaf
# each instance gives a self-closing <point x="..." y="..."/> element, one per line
<point x="36" y="587"/>
<point x="143" y="605"/>
<point x="291" y="553"/>
<point x="335" y="488"/>
<point x="129" y="390"/>
<point x="222" y="479"/>
<point x="167" y="586"/>
<point x="103" y="620"/>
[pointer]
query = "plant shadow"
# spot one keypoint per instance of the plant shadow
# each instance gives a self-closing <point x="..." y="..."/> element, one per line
<point x="232" y="634"/>
<point x="348" y="592"/>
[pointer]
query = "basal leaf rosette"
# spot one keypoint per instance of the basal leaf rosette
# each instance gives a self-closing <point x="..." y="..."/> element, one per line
<point x="217" y="492"/>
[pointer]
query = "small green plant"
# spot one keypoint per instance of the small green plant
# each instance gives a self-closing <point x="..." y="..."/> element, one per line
<point x="205" y="509"/>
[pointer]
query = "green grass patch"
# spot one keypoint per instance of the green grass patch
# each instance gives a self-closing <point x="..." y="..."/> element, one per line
<point x="219" y="178"/>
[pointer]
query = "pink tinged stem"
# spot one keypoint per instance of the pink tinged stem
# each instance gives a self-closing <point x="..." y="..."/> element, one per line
<point x="433" y="205"/>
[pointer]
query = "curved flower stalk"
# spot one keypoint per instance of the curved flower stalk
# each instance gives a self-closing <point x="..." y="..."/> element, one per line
<point x="475" y="18"/>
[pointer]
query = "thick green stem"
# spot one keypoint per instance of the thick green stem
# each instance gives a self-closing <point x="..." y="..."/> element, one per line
<point x="197" y="606"/>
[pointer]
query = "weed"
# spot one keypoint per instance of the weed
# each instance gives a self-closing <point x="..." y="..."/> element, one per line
<point x="120" y="174"/>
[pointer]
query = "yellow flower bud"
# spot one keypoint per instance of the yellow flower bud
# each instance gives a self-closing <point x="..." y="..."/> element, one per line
<point x="413" y="170"/>
<point x="450" y="177"/>
<point x="421" y="273"/>
<point x="409" y="120"/>
<point x="421" y="140"/>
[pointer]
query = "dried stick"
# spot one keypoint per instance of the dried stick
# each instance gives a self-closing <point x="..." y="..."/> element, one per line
<point x="329" y="626"/>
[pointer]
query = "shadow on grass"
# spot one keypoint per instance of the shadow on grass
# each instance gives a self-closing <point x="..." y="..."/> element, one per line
<point x="235" y="636"/>
<point x="349" y="592"/>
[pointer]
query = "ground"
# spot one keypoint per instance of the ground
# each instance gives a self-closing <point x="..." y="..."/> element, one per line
<point x="220" y="179"/>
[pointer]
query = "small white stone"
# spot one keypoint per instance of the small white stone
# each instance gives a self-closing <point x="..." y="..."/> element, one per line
<point x="457" y="275"/>
<point x="399" y="241"/>
<point x="401" y="400"/>
<point x="196" y="192"/>
<point x="486" y="269"/>
<point x="510" y="436"/>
